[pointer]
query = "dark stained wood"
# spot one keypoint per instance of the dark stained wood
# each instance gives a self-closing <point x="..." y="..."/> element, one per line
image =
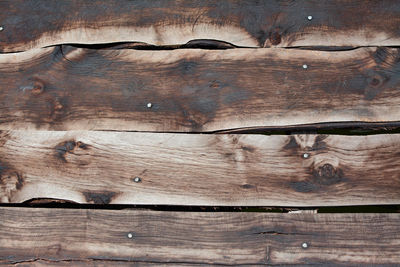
<point x="37" y="23"/>
<point x="52" y="235"/>
<point x="67" y="88"/>
<point x="348" y="128"/>
<point x="187" y="169"/>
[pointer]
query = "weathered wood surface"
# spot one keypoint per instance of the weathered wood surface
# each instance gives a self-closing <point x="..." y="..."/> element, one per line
<point x="29" y="24"/>
<point x="195" y="90"/>
<point x="27" y="235"/>
<point x="187" y="169"/>
<point x="104" y="263"/>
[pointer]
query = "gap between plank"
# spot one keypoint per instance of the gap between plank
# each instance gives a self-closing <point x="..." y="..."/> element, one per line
<point x="335" y="128"/>
<point x="56" y="203"/>
<point x="207" y="44"/>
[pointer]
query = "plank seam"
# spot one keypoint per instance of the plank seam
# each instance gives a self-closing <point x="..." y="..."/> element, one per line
<point x="204" y="44"/>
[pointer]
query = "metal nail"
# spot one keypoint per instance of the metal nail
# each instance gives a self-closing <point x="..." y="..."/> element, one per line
<point x="304" y="245"/>
<point x="1" y="28"/>
<point x="137" y="179"/>
<point x="305" y="66"/>
<point x="309" y="18"/>
<point x="149" y="105"/>
<point x="306" y="155"/>
<point x="130" y="235"/>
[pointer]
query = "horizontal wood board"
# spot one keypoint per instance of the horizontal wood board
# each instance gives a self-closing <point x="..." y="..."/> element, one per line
<point x="97" y="100"/>
<point x="31" y="24"/>
<point x="54" y="235"/>
<point x="192" y="169"/>
<point x="191" y="90"/>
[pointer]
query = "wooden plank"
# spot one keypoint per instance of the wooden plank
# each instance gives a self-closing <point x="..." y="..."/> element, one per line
<point x="196" y="90"/>
<point x="27" y="235"/>
<point x="98" y="263"/>
<point x="39" y="23"/>
<point x="187" y="169"/>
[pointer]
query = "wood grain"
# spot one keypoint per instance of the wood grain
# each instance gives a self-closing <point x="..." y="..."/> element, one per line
<point x="67" y="88"/>
<point x="37" y="23"/>
<point x="187" y="169"/>
<point x="54" y="235"/>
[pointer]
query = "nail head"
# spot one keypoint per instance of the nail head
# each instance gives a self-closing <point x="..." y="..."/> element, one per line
<point x="304" y="245"/>
<point x="130" y="235"/>
<point x="137" y="179"/>
<point x="149" y="105"/>
<point x="309" y="17"/>
<point x="1" y="28"/>
<point x="306" y="155"/>
<point x="305" y="66"/>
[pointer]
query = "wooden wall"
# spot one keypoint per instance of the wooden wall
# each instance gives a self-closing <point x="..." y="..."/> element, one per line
<point x="136" y="119"/>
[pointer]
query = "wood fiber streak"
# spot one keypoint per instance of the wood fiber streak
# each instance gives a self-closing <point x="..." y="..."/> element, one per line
<point x="183" y="169"/>
<point x="37" y="23"/>
<point x="67" y="88"/>
<point x="198" y="238"/>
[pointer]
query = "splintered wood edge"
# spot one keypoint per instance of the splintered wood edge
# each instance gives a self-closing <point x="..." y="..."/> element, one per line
<point x="153" y="35"/>
<point x="172" y="56"/>
<point x="128" y="236"/>
<point x="177" y="35"/>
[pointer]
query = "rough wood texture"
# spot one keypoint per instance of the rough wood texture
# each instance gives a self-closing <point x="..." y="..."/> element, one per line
<point x="38" y="23"/>
<point x="187" y="169"/>
<point x="195" y="90"/>
<point x="28" y="235"/>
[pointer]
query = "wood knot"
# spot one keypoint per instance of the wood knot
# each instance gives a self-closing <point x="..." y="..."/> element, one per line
<point x="275" y="38"/>
<point x="375" y="82"/>
<point x="327" y="174"/>
<point x="376" y="85"/>
<point x="327" y="170"/>
<point x="62" y="149"/>
<point x="37" y="88"/>
<point x="320" y="178"/>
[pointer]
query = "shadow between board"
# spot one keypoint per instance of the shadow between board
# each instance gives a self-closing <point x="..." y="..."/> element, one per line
<point x="56" y="203"/>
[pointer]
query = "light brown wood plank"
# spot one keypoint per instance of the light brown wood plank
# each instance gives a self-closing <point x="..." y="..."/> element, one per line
<point x="196" y="90"/>
<point x="39" y="23"/>
<point x="198" y="238"/>
<point x="187" y="169"/>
